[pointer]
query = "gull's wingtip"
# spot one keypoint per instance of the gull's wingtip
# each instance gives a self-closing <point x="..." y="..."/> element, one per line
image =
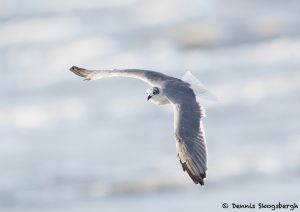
<point x="80" y="72"/>
<point x="76" y="69"/>
<point x="197" y="178"/>
<point x="73" y="67"/>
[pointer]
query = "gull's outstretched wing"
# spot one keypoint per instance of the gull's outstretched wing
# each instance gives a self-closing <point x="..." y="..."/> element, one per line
<point x="188" y="129"/>
<point x="151" y="77"/>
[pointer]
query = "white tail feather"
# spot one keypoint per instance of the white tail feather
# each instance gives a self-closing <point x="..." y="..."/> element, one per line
<point x="200" y="90"/>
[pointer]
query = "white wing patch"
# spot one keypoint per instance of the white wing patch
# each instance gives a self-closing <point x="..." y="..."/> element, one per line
<point x="200" y="90"/>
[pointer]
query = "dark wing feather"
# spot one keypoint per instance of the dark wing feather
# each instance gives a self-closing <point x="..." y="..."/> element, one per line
<point x="189" y="134"/>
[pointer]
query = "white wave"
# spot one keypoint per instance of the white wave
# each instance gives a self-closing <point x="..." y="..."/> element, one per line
<point x="36" y="31"/>
<point x="32" y="116"/>
<point x="254" y="90"/>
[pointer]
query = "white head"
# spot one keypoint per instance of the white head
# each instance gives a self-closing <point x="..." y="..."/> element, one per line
<point x="156" y="96"/>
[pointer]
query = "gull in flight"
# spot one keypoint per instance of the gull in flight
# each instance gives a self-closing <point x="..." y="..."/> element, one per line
<point x="188" y="113"/>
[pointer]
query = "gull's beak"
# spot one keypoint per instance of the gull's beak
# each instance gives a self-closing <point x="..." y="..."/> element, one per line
<point x="149" y="97"/>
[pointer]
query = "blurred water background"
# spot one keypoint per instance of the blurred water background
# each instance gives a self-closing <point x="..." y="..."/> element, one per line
<point x="68" y="145"/>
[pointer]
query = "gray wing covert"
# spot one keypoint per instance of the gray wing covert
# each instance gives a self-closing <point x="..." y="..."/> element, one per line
<point x="188" y="130"/>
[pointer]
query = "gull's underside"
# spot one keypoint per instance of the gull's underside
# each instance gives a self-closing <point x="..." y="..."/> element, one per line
<point x="188" y="128"/>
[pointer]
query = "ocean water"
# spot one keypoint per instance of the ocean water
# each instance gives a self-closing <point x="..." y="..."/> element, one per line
<point x="73" y="145"/>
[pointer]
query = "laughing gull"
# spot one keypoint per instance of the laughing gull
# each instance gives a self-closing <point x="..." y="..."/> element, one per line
<point x="181" y="94"/>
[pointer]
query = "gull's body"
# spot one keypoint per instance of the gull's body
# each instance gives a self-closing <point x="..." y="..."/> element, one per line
<point x="188" y="129"/>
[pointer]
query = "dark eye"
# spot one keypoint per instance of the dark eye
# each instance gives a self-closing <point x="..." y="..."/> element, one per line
<point x="155" y="91"/>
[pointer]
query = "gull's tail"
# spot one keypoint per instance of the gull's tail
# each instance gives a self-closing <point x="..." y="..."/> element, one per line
<point x="200" y="90"/>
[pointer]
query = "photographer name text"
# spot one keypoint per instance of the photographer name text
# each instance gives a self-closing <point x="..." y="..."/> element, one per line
<point x="261" y="206"/>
